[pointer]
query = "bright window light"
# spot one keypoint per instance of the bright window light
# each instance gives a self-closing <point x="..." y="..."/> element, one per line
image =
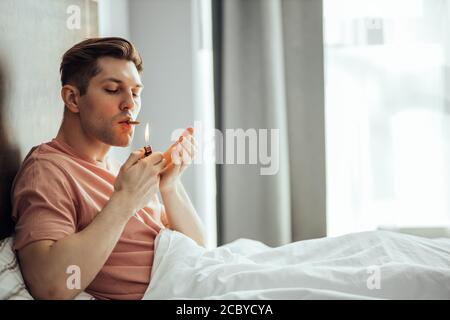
<point x="387" y="114"/>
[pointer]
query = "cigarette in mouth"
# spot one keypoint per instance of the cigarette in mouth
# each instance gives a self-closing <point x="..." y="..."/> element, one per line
<point x="133" y="122"/>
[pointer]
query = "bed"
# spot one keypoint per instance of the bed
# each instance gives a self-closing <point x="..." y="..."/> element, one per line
<point x="366" y="265"/>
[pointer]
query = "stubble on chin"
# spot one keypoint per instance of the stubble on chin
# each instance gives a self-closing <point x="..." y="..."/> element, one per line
<point x="123" y="140"/>
<point x="115" y="139"/>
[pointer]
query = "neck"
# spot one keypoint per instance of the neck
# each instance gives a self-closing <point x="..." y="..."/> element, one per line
<point x="73" y="135"/>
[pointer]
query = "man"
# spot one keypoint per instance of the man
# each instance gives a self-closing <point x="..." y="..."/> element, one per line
<point x="74" y="209"/>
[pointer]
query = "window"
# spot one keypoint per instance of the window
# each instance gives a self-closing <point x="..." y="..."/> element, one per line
<point x="387" y="113"/>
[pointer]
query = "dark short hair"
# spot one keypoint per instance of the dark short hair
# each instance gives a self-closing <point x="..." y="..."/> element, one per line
<point x="79" y="63"/>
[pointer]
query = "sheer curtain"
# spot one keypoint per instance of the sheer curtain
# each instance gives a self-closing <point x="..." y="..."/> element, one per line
<point x="387" y="114"/>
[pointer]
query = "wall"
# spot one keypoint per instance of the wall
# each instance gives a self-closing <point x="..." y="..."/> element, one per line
<point x="113" y="18"/>
<point x="114" y="21"/>
<point x="34" y="35"/>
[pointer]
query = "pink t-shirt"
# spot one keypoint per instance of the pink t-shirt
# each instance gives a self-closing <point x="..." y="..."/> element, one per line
<point x="58" y="192"/>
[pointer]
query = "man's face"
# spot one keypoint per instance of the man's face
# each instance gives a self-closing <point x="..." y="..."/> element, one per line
<point x="112" y="96"/>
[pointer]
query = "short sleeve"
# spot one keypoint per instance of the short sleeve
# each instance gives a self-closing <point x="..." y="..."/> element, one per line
<point x="43" y="204"/>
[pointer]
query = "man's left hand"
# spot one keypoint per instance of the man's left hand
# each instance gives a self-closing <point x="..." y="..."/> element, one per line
<point x="182" y="156"/>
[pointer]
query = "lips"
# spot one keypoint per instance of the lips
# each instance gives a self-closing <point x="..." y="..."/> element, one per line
<point x="129" y="121"/>
<point x="125" y="123"/>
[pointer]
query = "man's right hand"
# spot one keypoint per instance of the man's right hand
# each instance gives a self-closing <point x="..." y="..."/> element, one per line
<point x="138" y="178"/>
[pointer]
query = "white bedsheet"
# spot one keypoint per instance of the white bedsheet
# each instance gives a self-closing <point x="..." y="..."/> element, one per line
<point x="345" y="267"/>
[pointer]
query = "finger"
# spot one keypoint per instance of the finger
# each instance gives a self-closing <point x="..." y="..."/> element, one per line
<point x="188" y="131"/>
<point x="182" y="154"/>
<point x="168" y="152"/>
<point x="160" y="165"/>
<point x="133" y="158"/>
<point x="176" y="159"/>
<point x="185" y="155"/>
<point x="186" y="160"/>
<point x="187" y="145"/>
<point x="194" y="145"/>
<point x="193" y="140"/>
<point x="155" y="158"/>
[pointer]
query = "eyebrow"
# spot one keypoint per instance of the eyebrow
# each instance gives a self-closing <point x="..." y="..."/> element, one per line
<point x="139" y="85"/>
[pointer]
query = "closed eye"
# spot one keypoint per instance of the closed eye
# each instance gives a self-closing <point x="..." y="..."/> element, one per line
<point x="117" y="91"/>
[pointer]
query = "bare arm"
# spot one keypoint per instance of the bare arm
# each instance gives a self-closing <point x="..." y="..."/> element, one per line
<point x="181" y="214"/>
<point x="44" y="263"/>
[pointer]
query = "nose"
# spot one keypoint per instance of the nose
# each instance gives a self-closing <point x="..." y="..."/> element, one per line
<point x="128" y="103"/>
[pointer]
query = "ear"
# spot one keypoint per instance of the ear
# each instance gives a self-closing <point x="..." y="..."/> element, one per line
<point x="71" y="97"/>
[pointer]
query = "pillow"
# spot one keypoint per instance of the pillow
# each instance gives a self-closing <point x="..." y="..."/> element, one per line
<point x="12" y="286"/>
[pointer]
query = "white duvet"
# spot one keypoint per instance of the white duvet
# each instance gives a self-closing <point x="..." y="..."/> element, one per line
<point x="367" y="265"/>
